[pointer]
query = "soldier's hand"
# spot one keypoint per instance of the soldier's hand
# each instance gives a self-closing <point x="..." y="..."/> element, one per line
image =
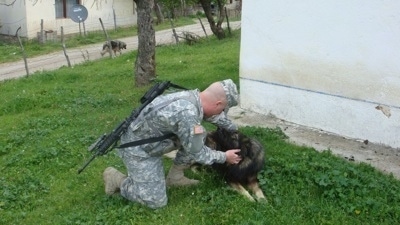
<point x="232" y="157"/>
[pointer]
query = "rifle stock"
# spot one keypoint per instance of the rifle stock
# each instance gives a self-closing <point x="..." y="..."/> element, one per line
<point x="107" y="143"/>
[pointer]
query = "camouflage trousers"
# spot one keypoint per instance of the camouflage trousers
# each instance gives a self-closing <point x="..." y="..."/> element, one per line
<point x="145" y="182"/>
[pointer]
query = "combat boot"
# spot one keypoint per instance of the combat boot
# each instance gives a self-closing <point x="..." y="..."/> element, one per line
<point x="112" y="180"/>
<point x="176" y="177"/>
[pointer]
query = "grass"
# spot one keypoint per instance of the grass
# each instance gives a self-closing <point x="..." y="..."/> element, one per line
<point x="48" y="120"/>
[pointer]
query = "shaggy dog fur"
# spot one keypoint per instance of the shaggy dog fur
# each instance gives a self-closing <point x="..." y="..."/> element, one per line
<point x="116" y="46"/>
<point x="245" y="172"/>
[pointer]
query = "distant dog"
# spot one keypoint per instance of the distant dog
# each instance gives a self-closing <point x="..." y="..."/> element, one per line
<point x="245" y="172"/>
<point x="116" y="46"/>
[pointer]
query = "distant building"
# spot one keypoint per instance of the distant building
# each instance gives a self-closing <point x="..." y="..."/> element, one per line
<point x="56" y="14"/>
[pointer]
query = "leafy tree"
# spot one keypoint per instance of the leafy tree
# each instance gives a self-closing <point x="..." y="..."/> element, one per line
<point x="172" y="5"/>
<point x="158" y="11"/>
<point x="216" y="26"/>
<point x="145" y="66"/>
<point x="208" y="8"/>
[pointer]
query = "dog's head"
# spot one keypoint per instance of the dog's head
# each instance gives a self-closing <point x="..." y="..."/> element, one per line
<point x="122" y="45"/>
<point x="223" y="139"/>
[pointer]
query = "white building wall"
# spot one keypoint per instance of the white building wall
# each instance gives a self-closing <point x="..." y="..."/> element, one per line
<point x="324" y="64"/>
<point x="28" y="15"/>
<point x="35" y="13"/>
<point x="12" y="17"/>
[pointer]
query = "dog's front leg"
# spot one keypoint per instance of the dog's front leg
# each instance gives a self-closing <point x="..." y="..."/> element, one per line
<point x="239" y="188"/>
<point x="255" y="188"/>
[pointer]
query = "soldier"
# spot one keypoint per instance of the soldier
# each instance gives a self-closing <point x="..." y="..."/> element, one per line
<point x="179" y="113"/>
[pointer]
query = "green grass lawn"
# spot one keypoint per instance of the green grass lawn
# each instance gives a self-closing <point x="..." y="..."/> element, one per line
<point x="48" y="120"/>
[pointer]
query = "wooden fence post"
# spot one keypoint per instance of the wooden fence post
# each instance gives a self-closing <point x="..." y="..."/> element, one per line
<point x="203" y="27"/>
<point x="115" y="20"/>
<point x="63" y="45"/>
<point x="227" y="21"/>
<point x="107" y="37"/>
<point x="23" y="52"/>
<point x="80" y="31"/>
<point x="173" y="31"/>
<point x="41" y="38"/>
<point x="84" y="28"/>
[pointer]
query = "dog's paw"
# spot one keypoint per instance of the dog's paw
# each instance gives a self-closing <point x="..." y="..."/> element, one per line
<point x="262" y="200"/>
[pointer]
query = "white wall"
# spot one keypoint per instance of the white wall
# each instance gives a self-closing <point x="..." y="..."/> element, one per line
<point x="35" y="13"/>
<point x="324" y="64"/>
<point x="12" y="17"/>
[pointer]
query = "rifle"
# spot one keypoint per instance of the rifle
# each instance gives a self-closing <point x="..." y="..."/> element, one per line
<point x="105" y="143"/>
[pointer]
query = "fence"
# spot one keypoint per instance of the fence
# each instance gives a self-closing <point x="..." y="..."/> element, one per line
<point x="71" y="56"/>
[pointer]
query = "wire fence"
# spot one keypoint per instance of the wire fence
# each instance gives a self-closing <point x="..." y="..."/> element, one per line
<point x="53" y="28"/>
<point x="71" y="56"/>
<point x="44" y="34"/>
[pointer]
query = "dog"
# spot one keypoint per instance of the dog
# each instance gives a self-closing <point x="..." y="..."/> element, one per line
<point x="116" y="46"/>
<point x="245" y="172"/>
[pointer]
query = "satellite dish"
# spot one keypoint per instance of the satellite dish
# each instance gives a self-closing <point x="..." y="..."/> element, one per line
<point x="78" y="13"/>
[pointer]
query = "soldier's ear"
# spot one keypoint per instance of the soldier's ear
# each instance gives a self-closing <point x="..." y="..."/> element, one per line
<point x="220" y="104"/>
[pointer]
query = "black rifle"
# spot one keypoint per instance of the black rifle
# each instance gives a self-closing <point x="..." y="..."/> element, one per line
<point x="105" y="143"/>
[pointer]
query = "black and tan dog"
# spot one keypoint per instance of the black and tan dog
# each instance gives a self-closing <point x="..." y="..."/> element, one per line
<point x="116" y="46"/>
<point x="245" y="172"/>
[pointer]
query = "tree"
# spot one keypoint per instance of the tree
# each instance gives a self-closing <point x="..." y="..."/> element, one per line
<point x="170" y="6"/>
<point x="216" y="27"/>
<point x="158" y="12"/>
<point x="145" y="65"/>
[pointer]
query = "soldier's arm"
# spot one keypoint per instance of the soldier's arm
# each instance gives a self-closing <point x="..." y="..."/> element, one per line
<point x="191" y="135"/>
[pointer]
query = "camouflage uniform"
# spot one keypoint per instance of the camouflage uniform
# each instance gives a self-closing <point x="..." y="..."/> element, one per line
<point x="179" y="113"/>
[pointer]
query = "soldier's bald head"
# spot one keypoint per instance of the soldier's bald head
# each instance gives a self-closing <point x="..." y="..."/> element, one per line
<point x="216" y="92"/>
<point x="218" y="96"/>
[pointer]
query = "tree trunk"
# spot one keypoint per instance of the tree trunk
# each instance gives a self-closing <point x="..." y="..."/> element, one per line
<point x="216" y="28"/>
<point x="157" y="10"/>
<point x="145" y="66"/>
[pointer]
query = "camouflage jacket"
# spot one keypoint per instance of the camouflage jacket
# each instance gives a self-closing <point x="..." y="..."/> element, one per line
<point x="179" y="113"/>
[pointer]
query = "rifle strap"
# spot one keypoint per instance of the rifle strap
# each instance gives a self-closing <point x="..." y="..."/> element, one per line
<point x="177" y="86"/>
<point x="146" y="141"/>
<point x="153" y="139"/>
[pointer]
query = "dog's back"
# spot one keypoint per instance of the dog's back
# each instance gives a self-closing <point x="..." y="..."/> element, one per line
<point x="245" y="172"/>
<point x="116" y="46"/>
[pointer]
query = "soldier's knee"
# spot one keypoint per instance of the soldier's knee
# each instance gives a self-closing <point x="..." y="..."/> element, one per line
<point x="160" y="203"/>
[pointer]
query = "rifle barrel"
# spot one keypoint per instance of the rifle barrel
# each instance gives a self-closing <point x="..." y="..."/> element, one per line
<point x="86" y="164"/>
